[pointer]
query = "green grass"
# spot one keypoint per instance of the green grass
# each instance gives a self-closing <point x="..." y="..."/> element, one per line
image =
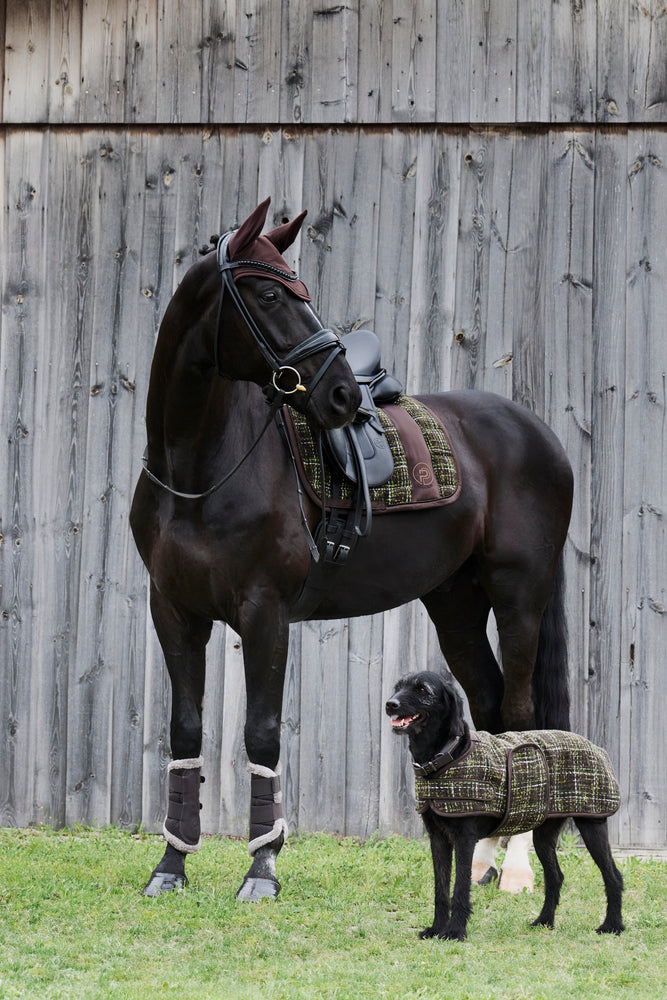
<point x="73" y="925"/>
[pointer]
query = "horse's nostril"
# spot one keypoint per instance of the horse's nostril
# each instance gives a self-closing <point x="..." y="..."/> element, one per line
<point x="345" y="400"/>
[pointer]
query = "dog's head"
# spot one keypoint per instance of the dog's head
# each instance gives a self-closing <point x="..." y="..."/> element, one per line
<point x="425" y="702"/>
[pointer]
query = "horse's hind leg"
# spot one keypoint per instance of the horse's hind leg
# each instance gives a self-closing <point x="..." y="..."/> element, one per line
<point x="183" y="638"/>
<point x="596" y="838"/>
<point x="459" y="609"/>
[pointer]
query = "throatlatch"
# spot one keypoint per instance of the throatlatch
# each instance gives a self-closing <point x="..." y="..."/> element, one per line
<point x="266" y="812"/>
<point x="182" y="828"/>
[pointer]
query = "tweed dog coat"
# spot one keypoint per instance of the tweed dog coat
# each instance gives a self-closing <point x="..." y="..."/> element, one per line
<point x="523" y="779"/>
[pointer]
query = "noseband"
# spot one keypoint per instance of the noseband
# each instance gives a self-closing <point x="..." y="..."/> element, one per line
<point x="282" y="369"/>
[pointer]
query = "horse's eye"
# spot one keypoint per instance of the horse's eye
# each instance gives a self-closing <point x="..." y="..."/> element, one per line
<point x="269" y="296"/>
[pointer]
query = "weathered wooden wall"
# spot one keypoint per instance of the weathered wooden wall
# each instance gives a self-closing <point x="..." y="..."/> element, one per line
<point x="528" y="259"/>
<point x="366" y="61"/>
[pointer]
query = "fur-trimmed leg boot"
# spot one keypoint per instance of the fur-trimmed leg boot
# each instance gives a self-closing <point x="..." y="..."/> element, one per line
<point x="182" y="828"/>
<point x="268" y="832"/>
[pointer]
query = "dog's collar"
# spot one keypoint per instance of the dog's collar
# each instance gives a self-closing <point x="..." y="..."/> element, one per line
<point x="441" y="759"/>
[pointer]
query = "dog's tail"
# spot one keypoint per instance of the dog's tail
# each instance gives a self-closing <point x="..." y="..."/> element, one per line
<point x="550" y="678"/>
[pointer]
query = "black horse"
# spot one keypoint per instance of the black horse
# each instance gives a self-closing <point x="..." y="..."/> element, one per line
<point x="217" y="521"/>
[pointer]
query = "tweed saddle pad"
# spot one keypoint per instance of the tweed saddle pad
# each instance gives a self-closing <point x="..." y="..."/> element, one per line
<point x="426" y="472"/>
<point x="523" y="779"/>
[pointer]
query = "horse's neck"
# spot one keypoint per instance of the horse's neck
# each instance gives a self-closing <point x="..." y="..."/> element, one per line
<point x="197" y="422"/>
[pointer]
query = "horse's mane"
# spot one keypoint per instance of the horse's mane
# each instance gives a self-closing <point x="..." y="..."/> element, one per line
<point x="210" y="246"/>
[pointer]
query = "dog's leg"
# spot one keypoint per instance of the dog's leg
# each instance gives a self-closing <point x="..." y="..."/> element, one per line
<point x="464" y="846"/>
<point x="545" y="838"/>
<point x="441" y="854"/>
<point x="484" y="868"/>
<point x="596" y="838"/>
<point x="517" y="874"/>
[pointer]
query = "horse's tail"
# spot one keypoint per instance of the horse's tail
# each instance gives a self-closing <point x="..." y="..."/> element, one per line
<point x="550" y="678"/>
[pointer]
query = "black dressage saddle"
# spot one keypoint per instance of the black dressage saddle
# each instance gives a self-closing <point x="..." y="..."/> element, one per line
<point x="360" y="451"/>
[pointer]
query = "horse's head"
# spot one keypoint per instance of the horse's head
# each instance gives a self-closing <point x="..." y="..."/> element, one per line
<point x="268" y="333"/>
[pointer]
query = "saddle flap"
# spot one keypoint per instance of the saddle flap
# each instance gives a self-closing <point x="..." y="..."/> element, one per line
<point x="371" y="446"/>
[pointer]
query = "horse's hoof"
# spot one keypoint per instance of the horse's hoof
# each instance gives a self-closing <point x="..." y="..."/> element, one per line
<point x="161" y="882"/>
<point x="490" y="875"/>
<point x="254" y="889"/>
<point x="516" y="880"/>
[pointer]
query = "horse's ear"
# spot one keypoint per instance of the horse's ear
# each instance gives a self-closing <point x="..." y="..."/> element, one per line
<point x="284" y="235"/>
<point x="249" y="230"/>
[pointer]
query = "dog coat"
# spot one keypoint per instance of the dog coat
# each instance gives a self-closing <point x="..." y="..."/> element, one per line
<point x="523" y="779"/>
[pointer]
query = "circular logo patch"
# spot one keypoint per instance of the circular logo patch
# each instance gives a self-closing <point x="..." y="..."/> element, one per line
<point x="422" y="474"/>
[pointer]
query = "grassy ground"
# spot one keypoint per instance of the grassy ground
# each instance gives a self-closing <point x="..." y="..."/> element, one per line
<point x="74" y="926"/>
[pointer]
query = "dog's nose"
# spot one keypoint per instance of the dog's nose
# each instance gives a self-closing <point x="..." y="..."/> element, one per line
<point x="392" y="706"/>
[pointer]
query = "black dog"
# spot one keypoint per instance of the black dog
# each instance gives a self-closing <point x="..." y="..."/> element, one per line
<point x="427" y="708"/>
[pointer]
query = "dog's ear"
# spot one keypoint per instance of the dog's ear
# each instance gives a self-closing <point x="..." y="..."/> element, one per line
<point x="452" y="703"/>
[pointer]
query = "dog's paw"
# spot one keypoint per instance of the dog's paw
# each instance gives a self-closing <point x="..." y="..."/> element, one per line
<point x="610" y="928"/>
<point x="540" y="922"/>
<point x="452" y="934"/>
<point x="447" y="933"/>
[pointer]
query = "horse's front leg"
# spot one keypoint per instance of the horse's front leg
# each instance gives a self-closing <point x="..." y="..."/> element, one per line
<point x="183" y="638"/>
<point x="265" y="641"/>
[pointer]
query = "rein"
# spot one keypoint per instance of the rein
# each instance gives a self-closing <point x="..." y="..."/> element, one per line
<point x="274" y="391"/>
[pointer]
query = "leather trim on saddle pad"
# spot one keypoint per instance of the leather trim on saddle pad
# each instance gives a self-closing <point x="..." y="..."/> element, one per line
<point x="426" y="470"/>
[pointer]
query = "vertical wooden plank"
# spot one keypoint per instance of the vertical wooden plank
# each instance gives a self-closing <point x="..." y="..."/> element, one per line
<point x="296" y="76"/>
<point x="400" y="163"/>
<point x="494" y="62"/>
<point x="612" y="61"/>
<point x="433" y="284"/>
<point x="218" y="58"/>
<point x="647" y="59"/>
<point x="607" y="440"/>
<point x="341" y="184"/>
<point x="334" y="64"/>
<point x="365" y="719"/>
<point x="472" y="260"/>
<point x="453" y="61"/>
<point x="25" y="97"/>
<point x="404" y="650"/>
<point x="324" y="648"/>
<point x="128" y="361"/>
<point x="179" y="61"/>
<point x="526" y="300"/>
<point x="290" y="751"/>
<point x="568" y="368"/>
<point x="573" y="61"/>
<point x="495" y="350"/>
<point x="374" y="99"/>
<point x="64" y="81"/>
<point x="414" y="62"/>
<point x="533" y="61"/>
<point x="257" y="75"/>
<point x="141" y="61"/>
<point x="103" y="41"/>
<point x="643" y="692"/>
<point x="23" y="313"/>
<point x="61" y="406"/>
<point x="232" y="758"/>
